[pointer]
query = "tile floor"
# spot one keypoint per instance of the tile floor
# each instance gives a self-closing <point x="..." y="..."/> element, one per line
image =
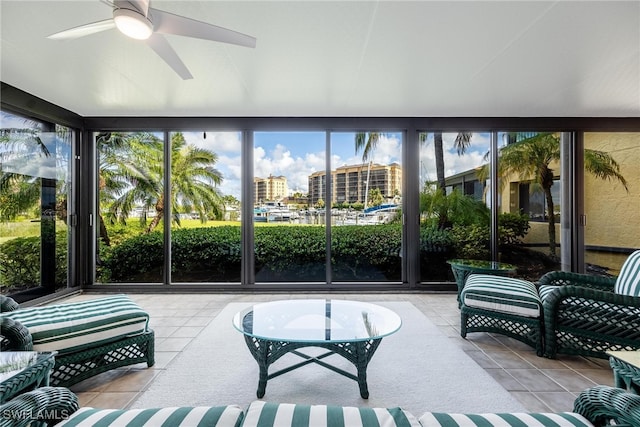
<point x="540" y="384"/>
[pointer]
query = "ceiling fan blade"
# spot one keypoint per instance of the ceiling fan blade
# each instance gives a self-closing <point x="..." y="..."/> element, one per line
<point x="141" y="5"/>
<point x="161" y="46"/>
<point x="168" y="23"/>
<point x="83" y="30"/>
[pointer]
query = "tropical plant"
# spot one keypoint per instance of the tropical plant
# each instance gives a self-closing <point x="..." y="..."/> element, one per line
<point x="375" y="197"/>
<point x="132" y="174"/>
<point x="458" y="208"/>
<point x="532" y="158"/>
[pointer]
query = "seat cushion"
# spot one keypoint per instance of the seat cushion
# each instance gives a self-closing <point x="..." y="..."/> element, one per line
<point x="561" y="419"/>
<point x="265" y="414"/>
<point x="217" y="416"/>
<point x="628" y="281"/>
<point x="502" y="294"/>
<point x="77" y="325"/>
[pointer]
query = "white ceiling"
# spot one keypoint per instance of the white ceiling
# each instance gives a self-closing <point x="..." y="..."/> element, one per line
<point x="339" y="58"/>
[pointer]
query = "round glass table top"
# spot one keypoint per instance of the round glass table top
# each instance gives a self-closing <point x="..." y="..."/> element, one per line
<point x="317" y="320"/>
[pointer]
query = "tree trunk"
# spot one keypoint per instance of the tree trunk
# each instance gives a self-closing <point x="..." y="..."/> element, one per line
<point x="154" y="223"/>
<point x="439" y="154"/>
<point x="104" y="235"/>
<point x="443" y="217"/>
<point x="552" y="222"/>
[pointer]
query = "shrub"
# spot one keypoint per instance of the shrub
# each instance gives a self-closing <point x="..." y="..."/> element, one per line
<point x="512" y="227"/>
<point x="20" y="263"/>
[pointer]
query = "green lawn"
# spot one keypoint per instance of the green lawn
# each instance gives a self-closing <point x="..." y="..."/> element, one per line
<point x="23" y="228"/>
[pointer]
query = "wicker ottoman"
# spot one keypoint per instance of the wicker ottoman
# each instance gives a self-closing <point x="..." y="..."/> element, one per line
<point x="89" y="337"/>
<point x="502" y="305"/>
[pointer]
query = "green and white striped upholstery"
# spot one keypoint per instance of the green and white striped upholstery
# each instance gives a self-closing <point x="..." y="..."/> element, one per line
<point x="502" y="294"/>
<point x="628" y="282"/>
<point x="264" y="414"/>
<point x="61" y="327"/>
<point x="561" y="419"/>
<point x="218" y="416"/>
<point x="545" y="290"/>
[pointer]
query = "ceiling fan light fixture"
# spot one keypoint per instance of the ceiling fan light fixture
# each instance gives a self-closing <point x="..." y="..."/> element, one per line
<point x="133" y="24"/>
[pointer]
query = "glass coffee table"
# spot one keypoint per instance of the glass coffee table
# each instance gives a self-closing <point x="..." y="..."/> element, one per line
<point x="350" y="329"/>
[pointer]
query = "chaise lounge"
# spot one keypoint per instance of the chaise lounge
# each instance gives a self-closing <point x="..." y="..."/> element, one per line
<point x="594" y="407"/>
<point x="89" y="337"/>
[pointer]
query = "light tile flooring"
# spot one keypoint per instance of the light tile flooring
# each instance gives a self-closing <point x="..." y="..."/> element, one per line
<point x="540" y="384"/>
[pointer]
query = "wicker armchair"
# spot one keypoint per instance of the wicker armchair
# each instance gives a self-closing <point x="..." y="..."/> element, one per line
<point x="587" y="315"/>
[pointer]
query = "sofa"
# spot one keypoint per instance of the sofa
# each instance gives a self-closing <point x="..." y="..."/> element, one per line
<point x="88" y="337"/>
<point x="57" y="406"/>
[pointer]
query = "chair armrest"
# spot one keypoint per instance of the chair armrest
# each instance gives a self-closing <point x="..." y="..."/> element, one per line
<point x="8" y="304"/>
<point x="563" y="278"/>
<point x="48" y="404"/>
<point x="603" y="404"/>
<point x="14" y="336"/>
<point x="556" y="297"/>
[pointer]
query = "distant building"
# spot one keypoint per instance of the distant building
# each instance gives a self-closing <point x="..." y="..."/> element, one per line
<point x="350" y="182"/>
<point x="273" y="188"/>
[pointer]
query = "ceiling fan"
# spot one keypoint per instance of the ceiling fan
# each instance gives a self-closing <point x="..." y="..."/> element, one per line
<point x="137" y="20"/>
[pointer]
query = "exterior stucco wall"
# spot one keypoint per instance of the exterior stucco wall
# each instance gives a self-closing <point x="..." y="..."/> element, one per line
<point x="613" y="214"/>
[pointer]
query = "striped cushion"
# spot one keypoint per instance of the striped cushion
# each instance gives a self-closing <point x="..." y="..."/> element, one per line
<point x="628" y="282"/>
<point x="545" y="290"/>
<point x="503" y="294"/>
<point x="263" y="414"/>
<point x="72" y="326"/>
<point x="219" y="416"/>
<point x="561" y="419"/>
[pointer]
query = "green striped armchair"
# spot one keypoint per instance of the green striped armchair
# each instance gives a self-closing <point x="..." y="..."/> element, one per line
<point x="590" y="315"/>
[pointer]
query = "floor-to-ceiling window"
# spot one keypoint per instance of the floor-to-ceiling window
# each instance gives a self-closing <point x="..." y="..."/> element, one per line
<point x="289" y="220"/>
<point x="366" y="206"/>
<point x="454" y="209"/>
<point x="35" y="192"/>
<point x="206" y="206"/>
<point x="130" y="217"/>
<point x="611" y="200"/>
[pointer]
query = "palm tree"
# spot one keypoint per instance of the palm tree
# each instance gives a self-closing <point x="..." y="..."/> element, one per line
<point x="19" y="192"/>
<point x="462" y="142"/>
<point x="530" y="159"/>
<point x="134" y="176"/>
<point x="367" y="142"/>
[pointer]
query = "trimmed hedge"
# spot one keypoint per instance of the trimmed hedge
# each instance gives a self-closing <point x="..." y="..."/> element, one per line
<point x="282" y="253"/>
<point x="20" y="263"/>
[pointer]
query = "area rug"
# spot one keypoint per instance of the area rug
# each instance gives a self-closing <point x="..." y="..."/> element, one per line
<point x="417" y="368"/>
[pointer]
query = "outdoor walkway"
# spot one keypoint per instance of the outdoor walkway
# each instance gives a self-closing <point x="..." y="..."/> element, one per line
<point x="540" y="384"/>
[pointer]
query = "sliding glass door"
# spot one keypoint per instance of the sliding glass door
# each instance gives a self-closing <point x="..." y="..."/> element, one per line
<point x="611" y="200"/>
<point x="289" y="215"/>
<point x="130" y="207"/>
<point x="35" y="194"/>
<point x="366" y="207"/>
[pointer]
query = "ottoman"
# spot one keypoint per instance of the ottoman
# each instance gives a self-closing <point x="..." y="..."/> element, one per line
<point x="502" y="305"/>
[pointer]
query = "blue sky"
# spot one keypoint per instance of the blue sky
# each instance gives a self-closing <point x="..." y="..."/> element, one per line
<point x="296" y="155"/>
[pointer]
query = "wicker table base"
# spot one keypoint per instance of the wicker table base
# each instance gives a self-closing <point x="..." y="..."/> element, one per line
<point x="30" y="378"/>
<point x="626" y="369"/>
<point x="267" y="352"/>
